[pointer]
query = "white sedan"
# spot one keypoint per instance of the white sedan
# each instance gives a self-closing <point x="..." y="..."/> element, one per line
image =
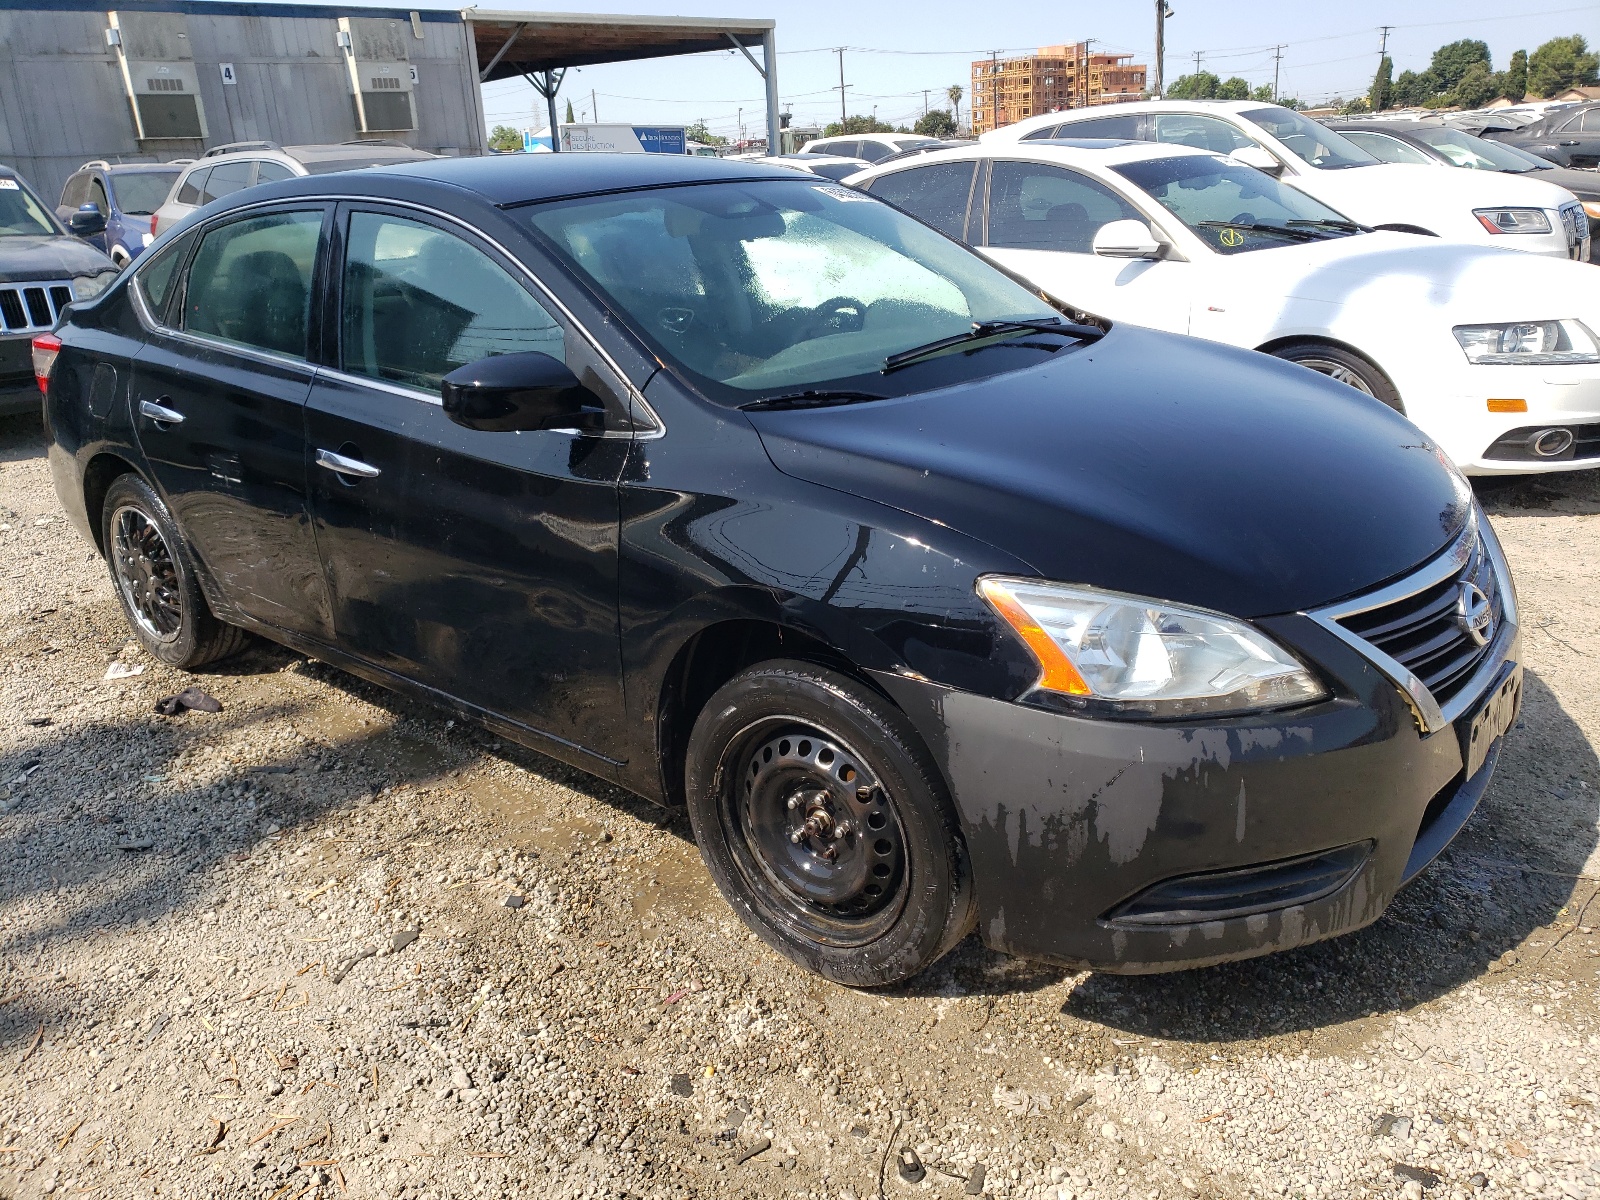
<point x="1494" y="355"/>
<point x="1492" y="208"/>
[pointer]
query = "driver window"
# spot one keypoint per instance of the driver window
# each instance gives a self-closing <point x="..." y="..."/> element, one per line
<point x="936" y="194"/>
<point x="1037" y="207"/>
<point x="1203" y="133"/>
<point x="97" y="197"/>
<point x="76" y="192"/>
<point x="419" y="302"/>
<point x="1591" y="121"/>
<point x="873" y="151"/>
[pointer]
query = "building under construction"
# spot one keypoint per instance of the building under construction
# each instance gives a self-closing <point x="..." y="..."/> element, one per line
<point x="1057" y="77"/>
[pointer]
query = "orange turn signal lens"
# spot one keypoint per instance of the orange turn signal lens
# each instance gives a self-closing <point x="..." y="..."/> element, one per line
<point x="1057" y="674"/>
<point x="1508" y="406"/>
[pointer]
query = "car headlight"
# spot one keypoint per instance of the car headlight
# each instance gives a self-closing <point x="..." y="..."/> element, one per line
<point x="1132" y="656"/>
<point x="1513" y="220"/>
<point x="1536" y="343"/>
<point x="87" y="287"/>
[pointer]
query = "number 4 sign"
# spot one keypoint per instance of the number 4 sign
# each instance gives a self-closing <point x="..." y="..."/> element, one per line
<point x="228" y="77"/>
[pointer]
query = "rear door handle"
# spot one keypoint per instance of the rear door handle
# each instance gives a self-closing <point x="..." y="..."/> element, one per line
<point x="340" y="465"/>
<point x="160" y="414"/>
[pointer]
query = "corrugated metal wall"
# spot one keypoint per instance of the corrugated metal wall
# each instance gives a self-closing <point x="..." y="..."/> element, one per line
<point x="62" y="100"/>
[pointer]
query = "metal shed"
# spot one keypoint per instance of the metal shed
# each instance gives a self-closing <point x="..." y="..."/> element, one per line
<point x="146" y="80"/>
<point x="541" y="46"/>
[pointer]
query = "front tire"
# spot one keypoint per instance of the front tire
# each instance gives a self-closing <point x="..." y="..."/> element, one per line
<point x="155" y="580"/>
<point x="1344" y="366"/>
<point x="826" y="826"/>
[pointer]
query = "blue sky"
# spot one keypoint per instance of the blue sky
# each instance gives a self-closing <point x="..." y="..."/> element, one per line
<point x="906" y="47"/>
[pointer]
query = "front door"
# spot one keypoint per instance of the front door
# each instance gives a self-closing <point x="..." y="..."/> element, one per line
<point x="483" y="565"/>
<point x="1041" y="222"/>
<point x="218" y="398"/>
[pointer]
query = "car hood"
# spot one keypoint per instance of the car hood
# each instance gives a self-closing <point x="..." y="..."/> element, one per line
<point x="27" y="256"/>
<point x="1152" y="464"/>
<point x="1383" y="275"/>
<point x="1585" y="185"/>
<point x="1438" y="198"/>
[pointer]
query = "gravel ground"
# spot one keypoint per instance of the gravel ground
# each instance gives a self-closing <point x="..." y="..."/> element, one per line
<point x="326" y="942"/>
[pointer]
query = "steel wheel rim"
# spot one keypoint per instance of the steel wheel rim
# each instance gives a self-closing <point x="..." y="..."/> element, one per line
<point x="813" y="830"/>
<point x="1339" y="372"/>
<point x="147" y="574"/>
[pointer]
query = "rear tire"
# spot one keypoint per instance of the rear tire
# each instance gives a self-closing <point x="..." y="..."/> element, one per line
<point x="826" y="826"/>
<point x="1344" y="366"/>
<point x="155" y="581"/>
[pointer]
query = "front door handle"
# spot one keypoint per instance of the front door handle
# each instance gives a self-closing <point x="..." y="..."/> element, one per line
<point x="159" y="413"/>
<point x="340" y="465"/>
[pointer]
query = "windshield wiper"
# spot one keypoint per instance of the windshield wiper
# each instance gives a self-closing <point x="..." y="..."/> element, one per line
<point x="1298" y="235"/>
<point x="989" y="329"/>
<point x="1327" y="223"/>
<point x="809" y="399"/>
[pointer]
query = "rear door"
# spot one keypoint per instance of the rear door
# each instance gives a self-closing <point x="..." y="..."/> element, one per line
<point x="483" y="565"/>
<point x="218" y="400"/>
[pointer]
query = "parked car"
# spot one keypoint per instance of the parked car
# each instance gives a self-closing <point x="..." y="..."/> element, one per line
<point x="230" y="168"/>
<point x="1568" y="136"/>
<point x="937" y="608"/>
<point x="43" y="269"/>
<point x="1502" y="210"/>
<point x="127" y="195"/>
<point x="829" y="166"/>
<point x="1434" y="143"/>
<point x="869" y="147"/>
<point x="1185" y="240"/>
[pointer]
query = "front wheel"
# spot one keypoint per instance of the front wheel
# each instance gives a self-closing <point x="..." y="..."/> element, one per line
<point x="826" y="826"/>
<point x="1344" y="366"/>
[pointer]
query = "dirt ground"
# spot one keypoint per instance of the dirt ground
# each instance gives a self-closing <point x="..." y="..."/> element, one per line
<point x="328" y="943"/>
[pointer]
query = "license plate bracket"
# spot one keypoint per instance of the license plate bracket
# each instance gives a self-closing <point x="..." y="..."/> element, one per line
<point x="1492" y="718"/>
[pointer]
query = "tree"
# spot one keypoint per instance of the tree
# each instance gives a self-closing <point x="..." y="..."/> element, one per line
<point x="955" y="92"/>
<point x="1561" y="63"/>
<point x="504" y="138"/>
<point x="1356" y="107"/>
<point x="699" y="133"/>
<point x="1262" y="94"/>
<point x="1233" y="89"/>
<point x="1414" y="88"/>
<point x="1512" y="83"/>
<point x="571" y="120"/>
<point x="857" y="124"/>
<point x="1475" y="88"/>
<point x="1382" y="85"/>
<point x="1195" y="87"/>
<point x="937" y="124"/>
<point x="1450" y="62"/>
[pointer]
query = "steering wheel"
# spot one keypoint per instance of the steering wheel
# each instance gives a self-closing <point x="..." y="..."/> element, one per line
<point x="1244" y="218"/>
<point x="841" y="314"/>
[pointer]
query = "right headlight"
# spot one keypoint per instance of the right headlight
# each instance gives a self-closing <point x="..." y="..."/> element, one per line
<point x="1132" y="656"/>
<point x="1513" y="220"/>
<point x="1536" y="343"/>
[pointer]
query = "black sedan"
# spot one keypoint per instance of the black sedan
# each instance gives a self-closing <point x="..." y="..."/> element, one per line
<point x="1568" y="136"/>
<point x="939" y="607"/>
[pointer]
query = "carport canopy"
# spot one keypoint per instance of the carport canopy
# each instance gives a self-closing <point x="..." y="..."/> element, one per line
<point x="541" y="46"/>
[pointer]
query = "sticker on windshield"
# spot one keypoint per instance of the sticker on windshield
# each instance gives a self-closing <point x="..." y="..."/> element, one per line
<point x="9" y="185"/>
<point x="843" y="193"/>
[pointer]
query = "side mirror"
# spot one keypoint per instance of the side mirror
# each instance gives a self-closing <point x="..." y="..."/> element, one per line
<point x="1261" y="160"/>
<point x="1126" y="239"/>
<point x="87" y="221"/>
<point x="520" y="392"/>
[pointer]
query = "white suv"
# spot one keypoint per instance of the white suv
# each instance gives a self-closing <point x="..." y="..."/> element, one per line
<point x="869" y="147"/>
<point x="1464" y="206"/>
<point x="237" y="165"/>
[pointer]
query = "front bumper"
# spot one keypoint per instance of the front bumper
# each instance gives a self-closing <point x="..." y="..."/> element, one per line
<point x="1070" y="820"/>
<point x="1453" y="407"/>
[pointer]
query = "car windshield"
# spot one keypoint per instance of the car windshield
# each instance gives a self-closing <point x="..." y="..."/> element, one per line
<point x="20" y="213"/>
<point x="140" y="193"/>
<point x="1464" y="150"/>
<point x="1234" y="208"/>
<point x="1314" y="144"/>
<point x="767" y="288"/>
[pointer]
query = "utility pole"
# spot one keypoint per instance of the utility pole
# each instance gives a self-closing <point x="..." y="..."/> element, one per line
<point x="593" y="107"/>
<point x="1198" y="54"/>
<point x="994" y="85"/>
<point x="1083" y="78"/>
<point x="1162" y="12"/>
<point x="924" y="101"/>
<point x="1383" y="47"/>
<point x="842" y="117"/>
<point x="1277" y="59"/>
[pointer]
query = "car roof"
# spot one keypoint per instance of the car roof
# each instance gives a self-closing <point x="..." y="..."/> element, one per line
<point x="1102" y="152"/>
<point x="1132" y="107"/>
<point x="528" y="178"/>
<point x="371" y="151"/>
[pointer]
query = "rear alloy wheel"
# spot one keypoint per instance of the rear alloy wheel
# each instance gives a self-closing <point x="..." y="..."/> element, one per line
<point x="155" y="580"/>
<point x="1347" y="368"/>
<point x="825" y="826"/>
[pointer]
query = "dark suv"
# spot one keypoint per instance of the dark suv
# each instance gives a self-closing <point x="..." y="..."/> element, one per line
<point x="937" y="605"/>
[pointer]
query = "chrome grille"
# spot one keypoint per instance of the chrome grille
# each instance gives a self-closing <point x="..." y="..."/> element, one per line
<point x="1575" y="223"/>
<point x="33" y="307"/>
<point x="1424" y="632"/>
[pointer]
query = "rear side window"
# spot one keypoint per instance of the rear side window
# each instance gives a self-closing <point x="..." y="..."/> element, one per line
<point x="271" y="172"/>
<point x="873" y="151"/>
<point x="1591" y="121"/>
<point x="190" y="192"/>
<point x="1390" y="150"/>
<point x="1124" y="128"/>
<point x="936" y="194"/>
<point x="225" y="179"/>
<point x="1037" y="207"/>
<point x="250" y="282"/>
<point x="419" y="302"/>
<point x="1203" y="133"/>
